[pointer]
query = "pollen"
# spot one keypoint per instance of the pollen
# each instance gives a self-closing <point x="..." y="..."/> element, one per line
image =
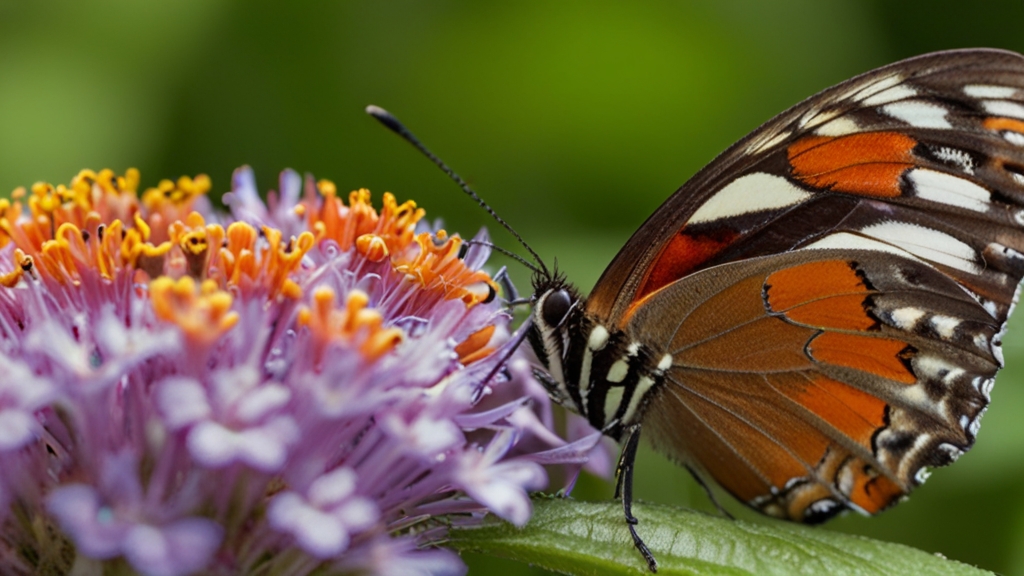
<point x="96" y="226"/>
<point x="203" y="312"/>
<point x="437" y="266"/>
<point x="99" y="229"/>
<point x="333" y="220"/>
<point x="180" y="193"/>
<point x="23" y="264"/>
<point x="192" y="239"/>
<point x="355" y="323"/>
<point x="373" y="247"/>
<point x="262" y="263"/>
<point x="431" y="260"/>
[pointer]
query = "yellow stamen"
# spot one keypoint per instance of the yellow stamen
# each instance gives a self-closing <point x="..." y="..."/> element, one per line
<point x="203" y="313"/>
<point x="23" y="264"/>
<point x="438" y="267"/>
<point x="270" y="267"/>
<point x="356" y="323"/>
<point x="373" y="247"/>
<point x="98" y="225"/>
<point x="332" y="220"/>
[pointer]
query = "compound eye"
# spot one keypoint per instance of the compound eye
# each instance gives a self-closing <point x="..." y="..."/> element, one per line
<point x="556" y="306"/>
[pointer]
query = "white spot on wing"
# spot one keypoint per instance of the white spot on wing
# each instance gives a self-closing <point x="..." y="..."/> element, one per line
<point x="937" y="369"/>
<point x="976" y="424"/>
<point x="751" y="193"/>
<point x="665" y="363"/>
<point x="984" y="385"/>
<point x="899" y="92"/>
<point x="877" y="86"/>
<point x="763" y="144"/>
<point x="952" y="375"/>
<point x="948" y="189"/>
<point x="1004" y="108"/>
<point x="917" y="396"/>
<point x="848" y="241"/>
<point x="845" y="479"/>
<point x="945" y="326"/>
<point x="816" y="116"/>
<point x="906" y="318"/>
<point x="981" y="341"/>
<point x="952" y="451"/>
<point x="823" y="506"/>
<point x="956" y="157"/>
<point x="997" y="345"/>
<point x="839" y="127"/>
<point x="989" y="91"/>
<point x="922" y="441"/>
<point x="807" y="117"/>
<point x="927" y="243"/>
<point x="918" y="114"/>
<point x="1007" y="252"/>
<point x="1015" y="138"/>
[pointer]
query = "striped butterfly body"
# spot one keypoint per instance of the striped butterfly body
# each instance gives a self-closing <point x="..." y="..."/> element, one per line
<point x="814" y="320"/>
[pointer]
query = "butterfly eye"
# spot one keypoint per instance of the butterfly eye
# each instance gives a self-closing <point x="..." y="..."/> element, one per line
<point x="556" y="305"/>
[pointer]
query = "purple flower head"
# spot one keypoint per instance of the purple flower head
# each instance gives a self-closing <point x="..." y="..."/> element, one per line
<point x="302" y="386"/>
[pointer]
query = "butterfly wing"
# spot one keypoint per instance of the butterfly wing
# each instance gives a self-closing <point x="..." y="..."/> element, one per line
<point x="833" y="288"/>
<point x="925" y="155"/>
<point x="821" y="379"/>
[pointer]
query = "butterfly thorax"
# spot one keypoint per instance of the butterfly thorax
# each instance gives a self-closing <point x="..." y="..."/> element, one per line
<point x="594" y="369"/>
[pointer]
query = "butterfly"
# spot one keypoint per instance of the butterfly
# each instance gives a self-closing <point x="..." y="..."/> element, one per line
<point x="814" y="320"/>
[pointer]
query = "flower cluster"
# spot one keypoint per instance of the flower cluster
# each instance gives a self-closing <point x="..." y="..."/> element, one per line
<point x="306" y="385"/>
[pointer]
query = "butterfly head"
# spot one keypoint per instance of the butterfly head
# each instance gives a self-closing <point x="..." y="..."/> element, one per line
<point x="557" y="315"/>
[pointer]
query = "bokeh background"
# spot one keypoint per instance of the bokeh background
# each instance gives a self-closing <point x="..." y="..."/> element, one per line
<point x="574" y="119"/>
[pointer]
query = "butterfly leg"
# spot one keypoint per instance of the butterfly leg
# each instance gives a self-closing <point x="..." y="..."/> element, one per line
<point x="624" y="490"/>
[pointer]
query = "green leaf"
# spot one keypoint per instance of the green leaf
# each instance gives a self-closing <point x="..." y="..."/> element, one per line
<point x="591" y="538"/>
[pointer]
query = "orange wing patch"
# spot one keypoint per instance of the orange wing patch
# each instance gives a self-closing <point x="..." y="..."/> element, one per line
<point x="870" y="490"/>
<point x="845" y="312"/>
<point x="998" y="124"/>
<point x="868" y="164"/>
<point x="849" y="410"/>
<point x="774" y="457"/>
<point x="827" y="294"/>
<point x="682" y="255"/>
<point x="883" y="357"/>
<point x="854" y="478"/>
<point x="800" y="284"/>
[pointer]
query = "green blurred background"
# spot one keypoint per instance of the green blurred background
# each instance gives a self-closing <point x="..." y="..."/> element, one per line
<point x="574" y="119"/>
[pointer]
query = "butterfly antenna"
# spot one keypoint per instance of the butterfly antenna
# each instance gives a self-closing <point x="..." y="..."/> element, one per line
<point x="508" y="253"/>
<point x="392" y="123"/>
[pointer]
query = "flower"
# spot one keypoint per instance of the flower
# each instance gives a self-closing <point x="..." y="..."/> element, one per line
<point x="303" y="385"/>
